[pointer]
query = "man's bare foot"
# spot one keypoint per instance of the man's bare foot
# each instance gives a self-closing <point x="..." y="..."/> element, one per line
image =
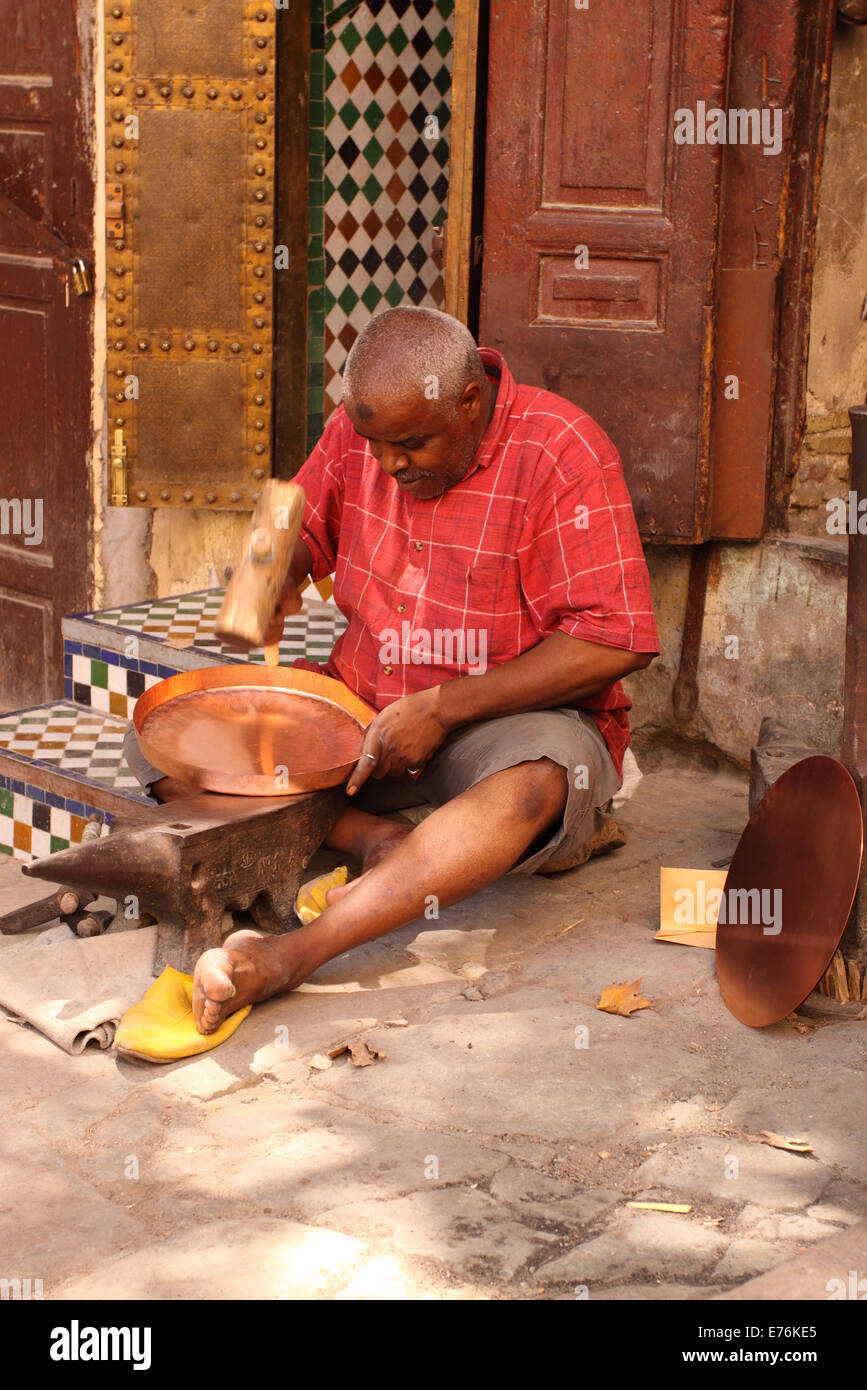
<point x="392" y="836"/>
<point x="246" y="969"/>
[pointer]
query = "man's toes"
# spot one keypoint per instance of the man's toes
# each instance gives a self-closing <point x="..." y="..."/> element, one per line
<point x="212" y="986"/>
<point x="211" y="1016"/>
<point x="214" y="974"/>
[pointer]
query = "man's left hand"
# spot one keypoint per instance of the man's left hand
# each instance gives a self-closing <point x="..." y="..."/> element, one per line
<point x="401" y="739"/>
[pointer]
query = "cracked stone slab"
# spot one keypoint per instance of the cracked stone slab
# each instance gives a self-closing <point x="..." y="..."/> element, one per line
<point x="341" y="1158"/>
<point x="768" y="1177"/>
<point x="659" y="1293"/>
<point x="511" y="1065"/>
<point x="842" y="1202"/>
<point x="816" y="1274"/>
<point x="638" y="1243"/>
<point x="52" y="1224"/>
<point x="746" y="1258"/>
<point x="461" y="1229"/>
<point x="828" y="1112"/>
<point x="535" y="1196"/>
<point x="790" y="1226"/>
<point x="253" y="1258"/>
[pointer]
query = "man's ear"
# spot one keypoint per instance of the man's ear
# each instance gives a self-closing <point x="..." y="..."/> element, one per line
<point x="471" y="401"/>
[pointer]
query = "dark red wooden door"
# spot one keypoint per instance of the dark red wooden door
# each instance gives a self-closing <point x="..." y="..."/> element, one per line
<point x="600" y="232"/>
<point x="46" y="210"/>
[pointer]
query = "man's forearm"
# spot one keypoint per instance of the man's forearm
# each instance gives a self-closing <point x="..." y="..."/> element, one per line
<point x="560" y="670"/>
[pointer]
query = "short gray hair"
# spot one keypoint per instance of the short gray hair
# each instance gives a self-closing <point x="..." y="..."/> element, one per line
<point x="406" y="352"/>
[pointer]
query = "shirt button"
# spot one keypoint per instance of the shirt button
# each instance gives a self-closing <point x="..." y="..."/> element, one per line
<point x="401" y="608"/>
<point x="417" y="545"/>
<point x="387" y="670"/>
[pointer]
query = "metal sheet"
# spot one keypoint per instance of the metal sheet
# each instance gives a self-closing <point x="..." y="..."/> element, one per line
<point x="189" y="227"/>
<point x="794" y="874"/>
<point x="190" y="101"/>
<point x="252" y="731"/>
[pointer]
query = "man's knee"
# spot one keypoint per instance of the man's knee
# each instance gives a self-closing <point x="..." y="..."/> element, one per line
<point x="544" y="790"/>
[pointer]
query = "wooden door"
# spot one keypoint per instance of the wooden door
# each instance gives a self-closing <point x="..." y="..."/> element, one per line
<point x="600" y="232"/>
<point x="46" y="210"/>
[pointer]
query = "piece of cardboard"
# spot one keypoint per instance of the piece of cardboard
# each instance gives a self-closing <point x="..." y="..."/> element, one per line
<point x="689" y="902"/>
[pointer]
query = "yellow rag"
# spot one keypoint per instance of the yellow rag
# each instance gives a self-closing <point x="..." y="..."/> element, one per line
<point x="160" y="1027"/>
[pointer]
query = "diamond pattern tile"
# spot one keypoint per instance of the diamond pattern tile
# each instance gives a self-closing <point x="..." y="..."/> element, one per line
<point x="387" y="79"/>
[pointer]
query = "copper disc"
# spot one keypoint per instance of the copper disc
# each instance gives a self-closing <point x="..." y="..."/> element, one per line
<point x="798" y="860"/>
<point x="254" y="731"/>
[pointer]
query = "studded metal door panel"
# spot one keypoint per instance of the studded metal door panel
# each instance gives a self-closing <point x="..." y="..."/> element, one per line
<point x="190" y="95"/>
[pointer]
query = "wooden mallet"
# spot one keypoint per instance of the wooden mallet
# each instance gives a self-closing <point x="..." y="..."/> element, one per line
<point x="257" y="584"/>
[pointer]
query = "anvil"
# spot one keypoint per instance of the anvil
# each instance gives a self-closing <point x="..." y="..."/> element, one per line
<point x="187" y="862"/>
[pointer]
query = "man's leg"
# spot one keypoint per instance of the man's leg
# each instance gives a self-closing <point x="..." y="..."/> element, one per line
<point x="460" y="848"/>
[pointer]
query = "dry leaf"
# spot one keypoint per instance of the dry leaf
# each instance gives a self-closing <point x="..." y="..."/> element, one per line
<point x="623" y="999"/>
<point x="361" y="1054"/>
<point x="781" y="1141"/>
<point x="680" y="1207"/>
<point x="319" y="1063"/>
<point x="799" y="1025"/>
<point x="179" y="643"/>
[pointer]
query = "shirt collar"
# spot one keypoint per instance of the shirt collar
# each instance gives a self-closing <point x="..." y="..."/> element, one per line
<point x="495" y="364"/>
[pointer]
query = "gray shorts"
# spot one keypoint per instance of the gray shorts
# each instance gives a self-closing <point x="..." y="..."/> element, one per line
<point x="567" y="737"/>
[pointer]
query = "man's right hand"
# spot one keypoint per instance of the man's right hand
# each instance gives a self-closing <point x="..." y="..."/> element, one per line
<point x="289" y="603"/>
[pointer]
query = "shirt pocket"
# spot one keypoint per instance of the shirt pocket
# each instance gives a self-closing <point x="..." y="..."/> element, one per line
<point x="483" y="600"/>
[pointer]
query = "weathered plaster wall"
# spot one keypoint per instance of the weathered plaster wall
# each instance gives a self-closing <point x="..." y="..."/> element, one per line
<point x="772" y="643"/>
<point x="786" y="607"/>
<point x="837" y="373"/>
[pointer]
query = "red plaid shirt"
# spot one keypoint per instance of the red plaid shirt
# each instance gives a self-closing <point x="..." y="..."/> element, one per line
<point x="538" y="537"/>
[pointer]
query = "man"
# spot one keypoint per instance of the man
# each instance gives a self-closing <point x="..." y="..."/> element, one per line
<point x="486" y="555"/>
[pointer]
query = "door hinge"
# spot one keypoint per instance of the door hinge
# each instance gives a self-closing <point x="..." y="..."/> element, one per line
<point x="119" y="497"/>
<point x="114" y="211"/>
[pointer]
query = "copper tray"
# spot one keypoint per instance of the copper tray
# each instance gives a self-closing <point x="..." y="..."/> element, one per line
<point x="802" y="849"/>
<point x="251" y="730"/>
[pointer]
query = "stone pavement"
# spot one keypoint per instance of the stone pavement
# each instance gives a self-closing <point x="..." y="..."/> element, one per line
<point x="488" y="1156"/>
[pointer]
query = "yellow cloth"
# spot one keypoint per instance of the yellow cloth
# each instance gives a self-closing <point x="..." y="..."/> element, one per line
<point x="160" y="1027"/>
<point x="311" y="896"/>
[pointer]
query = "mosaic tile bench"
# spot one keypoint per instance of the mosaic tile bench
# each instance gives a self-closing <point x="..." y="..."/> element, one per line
<point x="113" y="656"/>
<point x="61" y="762"/>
